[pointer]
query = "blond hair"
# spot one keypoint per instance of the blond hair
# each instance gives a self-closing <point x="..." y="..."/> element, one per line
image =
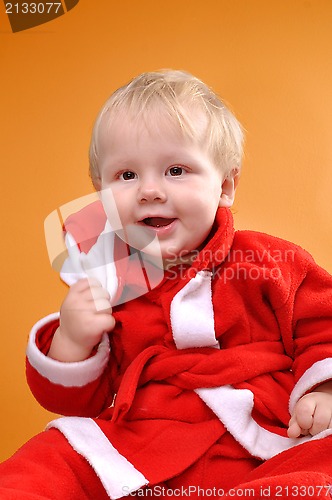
<point x="178" y="95"/>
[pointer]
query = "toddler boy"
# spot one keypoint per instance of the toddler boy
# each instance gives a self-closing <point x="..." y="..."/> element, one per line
<point x="214" y="378"/>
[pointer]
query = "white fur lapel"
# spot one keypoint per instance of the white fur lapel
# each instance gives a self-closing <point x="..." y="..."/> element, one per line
<point x="192" y="315"/>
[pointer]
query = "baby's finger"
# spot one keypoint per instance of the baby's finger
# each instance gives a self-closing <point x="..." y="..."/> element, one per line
<point x="321" y="419"/>
<point x="294" y="430"/>
<point x="101" y="298"/>
<point x="106" y="322"/>
<point x="98" y="292"/>
<point x="304" y="412"/>
<point x="103" y="304"/>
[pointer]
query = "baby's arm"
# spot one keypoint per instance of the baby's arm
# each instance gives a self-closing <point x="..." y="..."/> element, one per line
<point x="312" y="413"/>
<point x="85" y="315"/>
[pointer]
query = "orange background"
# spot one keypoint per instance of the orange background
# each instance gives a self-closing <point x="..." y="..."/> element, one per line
<point x="270" y="60"/>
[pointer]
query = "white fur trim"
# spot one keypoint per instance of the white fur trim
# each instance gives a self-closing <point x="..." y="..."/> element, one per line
<point x="118" y="476"/>
<point x="97" y="263"/>
<point x="234" y="408"/>
<point x="75" y="374"/>
<point x="318" y="373"/>
<point x="192" y="315"/>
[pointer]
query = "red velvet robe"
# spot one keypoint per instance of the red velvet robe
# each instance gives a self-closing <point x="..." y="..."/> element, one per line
<point x="215" y="355"/>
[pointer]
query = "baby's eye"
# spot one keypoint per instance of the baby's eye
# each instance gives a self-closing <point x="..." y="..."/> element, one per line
<point x="128" y="175"/>
<point x="175" y="171"/>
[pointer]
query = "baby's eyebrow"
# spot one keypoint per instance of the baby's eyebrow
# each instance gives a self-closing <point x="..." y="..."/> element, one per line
<point x="116" y="162"/>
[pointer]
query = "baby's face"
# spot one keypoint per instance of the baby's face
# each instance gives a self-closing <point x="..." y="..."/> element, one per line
<point x="163" y="185"/>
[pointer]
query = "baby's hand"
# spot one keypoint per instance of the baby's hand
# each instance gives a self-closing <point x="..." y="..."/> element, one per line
<point x="312" y="414"/>
<point x="85" y="315"/>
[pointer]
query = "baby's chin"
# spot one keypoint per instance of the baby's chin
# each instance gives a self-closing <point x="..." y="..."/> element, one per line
<point x="143" y="241"/>
<point x="153" y="250"/>
<point x="185" y="257"/>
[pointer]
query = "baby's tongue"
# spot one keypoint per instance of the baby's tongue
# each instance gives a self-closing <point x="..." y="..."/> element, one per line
<point x="157" y="221"/>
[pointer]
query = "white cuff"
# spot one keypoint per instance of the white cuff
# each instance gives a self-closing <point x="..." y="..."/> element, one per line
<point x="77" y="374"/>
<point x="318" y="373"/>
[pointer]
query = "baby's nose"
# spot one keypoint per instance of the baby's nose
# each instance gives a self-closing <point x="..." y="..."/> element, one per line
<point x="152" y="191"/>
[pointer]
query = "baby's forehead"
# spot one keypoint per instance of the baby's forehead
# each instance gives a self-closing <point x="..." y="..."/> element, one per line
<point x="124" y="138"/>
<point x="156" y="121"/>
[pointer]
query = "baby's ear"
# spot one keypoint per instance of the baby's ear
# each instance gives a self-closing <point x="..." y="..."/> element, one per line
<point x="228" y="189"/>
<point x="96" y="181"/>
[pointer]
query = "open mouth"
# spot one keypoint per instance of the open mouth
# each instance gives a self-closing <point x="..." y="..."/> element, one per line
<point x="157" y="221"/>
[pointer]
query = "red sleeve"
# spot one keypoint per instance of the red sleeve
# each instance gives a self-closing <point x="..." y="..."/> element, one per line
<point x="80" y="389"/>
<point x="312" y="317"/>
<point x="309" y="307"/>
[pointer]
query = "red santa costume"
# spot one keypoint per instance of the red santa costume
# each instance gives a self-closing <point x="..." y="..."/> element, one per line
<point x="194" y="386"/>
